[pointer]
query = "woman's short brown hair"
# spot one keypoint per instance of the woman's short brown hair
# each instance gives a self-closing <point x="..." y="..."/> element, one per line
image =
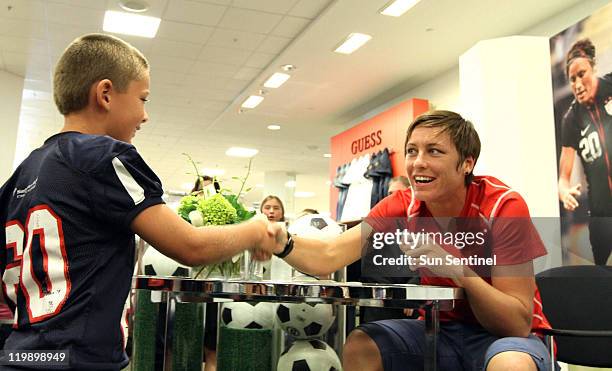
<point x="461" y="131"/>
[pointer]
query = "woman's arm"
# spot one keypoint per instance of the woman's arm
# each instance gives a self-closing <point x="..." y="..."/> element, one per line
<point x="505" y="307"/>
<point x="323" y="257"/>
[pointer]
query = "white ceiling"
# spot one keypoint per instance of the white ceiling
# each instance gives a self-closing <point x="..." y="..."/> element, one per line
<point x="209" y="55"/>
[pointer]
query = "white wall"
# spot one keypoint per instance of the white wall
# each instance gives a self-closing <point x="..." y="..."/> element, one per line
<point x="316" y="184"/>
<point x="444" y="92"/>
<point x="506" y="90"/>
<point x="10" y="105"/>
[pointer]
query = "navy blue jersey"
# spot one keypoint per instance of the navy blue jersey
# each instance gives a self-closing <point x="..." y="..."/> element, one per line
<point x="588" y="129"/>
<point x="69" y="254"/>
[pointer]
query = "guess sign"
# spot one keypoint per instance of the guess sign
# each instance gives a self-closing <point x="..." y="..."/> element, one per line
<point x="364" y="143"/>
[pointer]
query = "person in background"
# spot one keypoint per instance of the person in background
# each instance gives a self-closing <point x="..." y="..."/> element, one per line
<point x="272" y="207"/>
<point x="306" y="212"/>
<point x="398" y="183"/>
<point x="204" y="181"/>
<point x="587" y="132"/>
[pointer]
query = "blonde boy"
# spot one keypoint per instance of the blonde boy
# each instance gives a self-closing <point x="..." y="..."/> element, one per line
<point x="71" y="209"/>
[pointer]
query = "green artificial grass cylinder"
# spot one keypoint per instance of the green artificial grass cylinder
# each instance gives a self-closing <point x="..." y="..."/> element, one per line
<point x="145" y="328"/>
<point x="244" y="349"/>
<point x="149" y="327"/>
<point x="188" y="339"/>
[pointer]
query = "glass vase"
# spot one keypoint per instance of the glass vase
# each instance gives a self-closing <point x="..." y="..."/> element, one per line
<point x="228" y="269"/>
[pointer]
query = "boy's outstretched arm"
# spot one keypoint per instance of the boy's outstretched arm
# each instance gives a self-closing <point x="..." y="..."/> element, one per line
<point x="171" y="235"/>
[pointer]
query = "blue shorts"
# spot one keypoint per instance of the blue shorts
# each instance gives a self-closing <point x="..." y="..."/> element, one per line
<point x="460" y="346"/>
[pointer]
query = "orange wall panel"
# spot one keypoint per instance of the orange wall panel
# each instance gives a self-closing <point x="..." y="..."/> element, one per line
<point x="385" y="130"/>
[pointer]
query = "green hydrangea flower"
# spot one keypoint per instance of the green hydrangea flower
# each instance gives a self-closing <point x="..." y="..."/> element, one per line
<point x="216" y="210"/>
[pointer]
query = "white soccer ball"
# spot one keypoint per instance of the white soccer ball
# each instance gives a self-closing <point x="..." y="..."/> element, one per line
<point x="158" y="264"/>
<point x="315" y="226"/>
<point x="247" y="315"/>
<point x="309" y="355"/>
<point x="305" y="320"/>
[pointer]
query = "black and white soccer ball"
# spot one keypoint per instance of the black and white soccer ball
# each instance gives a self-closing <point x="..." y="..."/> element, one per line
<point x="315" y="226"/>
<point x="305" y="320"/>
<point x="247" y="315"/>
<point x="309" y="355"/>
<point x="158" y="264"/>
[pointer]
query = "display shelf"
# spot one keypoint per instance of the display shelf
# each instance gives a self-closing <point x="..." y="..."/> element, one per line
<point x="432" y="299"/>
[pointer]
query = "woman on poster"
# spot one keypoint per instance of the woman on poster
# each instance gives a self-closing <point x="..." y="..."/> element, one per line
<point x="587" y="132"/>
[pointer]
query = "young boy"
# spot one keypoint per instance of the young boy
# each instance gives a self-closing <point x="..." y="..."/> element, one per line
<point x="71" y="209"/>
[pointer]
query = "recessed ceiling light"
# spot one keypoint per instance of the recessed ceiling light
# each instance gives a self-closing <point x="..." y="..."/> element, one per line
<point x="304" y="194"/>
<point x="398" y="7"/>
<point x="288" y="67"/>
<point x="241" y="152"/>
<point x="136" y="6"/>
<point x="327" y="155"/>
<point x="274" y="127"/>
<point x="353" y="42"/>
<point x="290" y="184"/>
<point x="276" y="80"/>
<point x="212" y="171"/>
<point x="252" y="101"/>
<point x="130" y="24"/>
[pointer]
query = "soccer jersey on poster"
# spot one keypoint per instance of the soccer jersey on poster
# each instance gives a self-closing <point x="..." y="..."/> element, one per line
<point x="69" y="255"/>
<point x="588" y="129"/>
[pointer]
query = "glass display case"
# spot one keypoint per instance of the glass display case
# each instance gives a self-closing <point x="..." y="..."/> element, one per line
<point x="168" y="294"/>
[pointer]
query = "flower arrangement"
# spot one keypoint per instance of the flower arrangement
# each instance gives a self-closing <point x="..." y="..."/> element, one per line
<point x="210" y="208"/>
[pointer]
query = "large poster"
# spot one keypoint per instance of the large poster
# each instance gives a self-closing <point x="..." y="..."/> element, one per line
<point x="581" y="59"/>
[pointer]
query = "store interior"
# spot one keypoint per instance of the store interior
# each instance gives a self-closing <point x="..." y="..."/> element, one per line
<point x="208" y="57"/>
<point x="487" y="60"/>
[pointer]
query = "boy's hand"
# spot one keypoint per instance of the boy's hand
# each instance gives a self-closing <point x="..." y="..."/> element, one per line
<point x="279" y="231"/>
<point x="271" y="240"/>
<point x="260" y="255"/>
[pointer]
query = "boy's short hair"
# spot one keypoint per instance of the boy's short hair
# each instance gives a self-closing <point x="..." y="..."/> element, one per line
<point x="92" y="58"/>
